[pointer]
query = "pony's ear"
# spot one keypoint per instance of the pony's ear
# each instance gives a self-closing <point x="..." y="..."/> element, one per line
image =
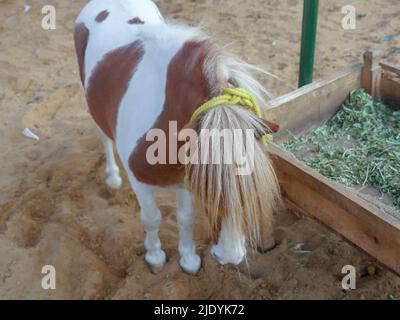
<point x="272" y="126"/>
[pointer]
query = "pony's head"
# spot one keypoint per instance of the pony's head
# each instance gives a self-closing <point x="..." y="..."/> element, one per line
<point x="233" y="179"/>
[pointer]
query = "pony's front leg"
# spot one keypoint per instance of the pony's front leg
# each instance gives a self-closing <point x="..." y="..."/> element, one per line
<point x="190" y="261"/>
<point x="151" y="218"/>
<point x="114" y="180"/>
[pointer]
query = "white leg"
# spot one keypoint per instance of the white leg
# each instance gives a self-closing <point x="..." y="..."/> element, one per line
<point x="190" y="261"/>
<point x="114" y="180"/>
<point x="151" y="218"/>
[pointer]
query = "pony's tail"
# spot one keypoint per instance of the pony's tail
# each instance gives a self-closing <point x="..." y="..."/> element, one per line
<point x="247" y="200"/>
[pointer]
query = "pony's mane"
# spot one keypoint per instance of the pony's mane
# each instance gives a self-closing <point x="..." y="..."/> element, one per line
<point x="222" y="66"/>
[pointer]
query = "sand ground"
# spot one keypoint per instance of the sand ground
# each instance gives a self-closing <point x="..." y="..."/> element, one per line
<point x="56" y="210"/>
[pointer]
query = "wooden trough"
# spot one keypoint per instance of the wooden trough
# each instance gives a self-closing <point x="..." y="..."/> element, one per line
<point x="365" y="223"/>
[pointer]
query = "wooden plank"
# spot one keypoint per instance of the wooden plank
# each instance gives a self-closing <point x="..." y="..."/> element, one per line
<point x="390" y="91"/>
<point x="308" y="107"/>
<point x="390" y="67"/>
<point x="366" y="225"/>
<point x="372" y="73"/>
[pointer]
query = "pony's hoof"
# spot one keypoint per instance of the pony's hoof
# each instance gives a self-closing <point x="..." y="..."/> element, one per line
<point x="114" y="181"/>
<point x="190" y="264"/>
<point x="156" y="261"/>
<point x="235" y="259"/>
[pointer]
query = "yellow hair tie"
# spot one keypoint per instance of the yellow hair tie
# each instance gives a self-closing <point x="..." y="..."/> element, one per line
<point x="230" y="96"/>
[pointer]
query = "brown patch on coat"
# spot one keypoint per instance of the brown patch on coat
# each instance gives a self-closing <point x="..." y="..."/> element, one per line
<point x="81" y="38"/>
<point x="102" y="16"/>
<point x="136" y="20"/>
<point x="187" y="88"/>
<point x="109" y="82"/>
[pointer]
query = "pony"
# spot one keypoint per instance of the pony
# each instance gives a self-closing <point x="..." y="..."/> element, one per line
<point x="142" y="74"/>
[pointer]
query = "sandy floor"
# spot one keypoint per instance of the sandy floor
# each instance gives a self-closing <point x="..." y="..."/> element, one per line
<point x="55" y="208"/>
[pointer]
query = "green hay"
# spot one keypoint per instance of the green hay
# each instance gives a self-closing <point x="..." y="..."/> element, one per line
<point x="360" y="145"/>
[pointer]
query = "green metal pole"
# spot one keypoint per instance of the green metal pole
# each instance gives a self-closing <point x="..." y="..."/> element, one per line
<point x="308" y="39"/>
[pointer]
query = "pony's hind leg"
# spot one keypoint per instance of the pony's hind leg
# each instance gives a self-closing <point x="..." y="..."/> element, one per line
<point x="190" y="261"/>
<point x="151" y="218"/>
<point x="114" y="180"/>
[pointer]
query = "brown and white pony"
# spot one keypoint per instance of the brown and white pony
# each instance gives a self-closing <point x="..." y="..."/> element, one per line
<point x="143" y="76"/>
